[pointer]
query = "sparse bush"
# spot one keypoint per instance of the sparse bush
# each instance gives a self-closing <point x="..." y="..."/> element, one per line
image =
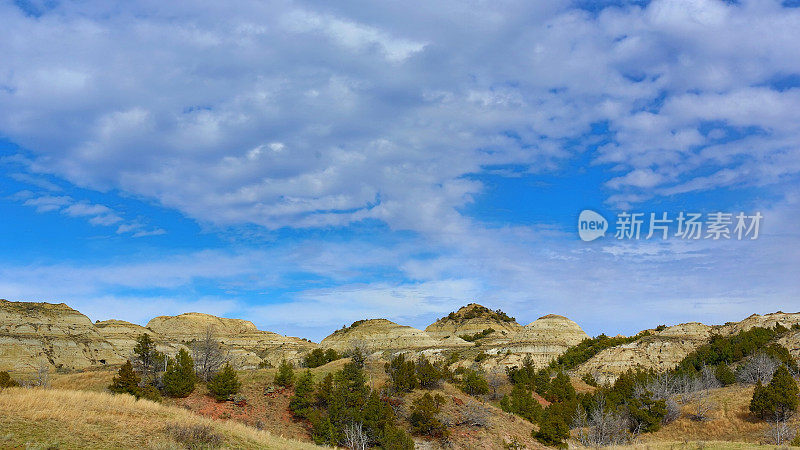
<point x="209" y="355"/>
<point x="7" y="381"/>
<point x="194" y="436"/>
<point x="601" y="427"/>
<point x="285" y="375"/>
<point x="473" y="414"/>
<point x="126" y="381"/>
<point x="224" y="384"/>
<point x="473" y="383"/>
<point x="780" y="433"/>
<point x="724" y="375"/>
<point x="424" y="417"/>
<point x="757" y="369"/>
<point x="319" y="357"/>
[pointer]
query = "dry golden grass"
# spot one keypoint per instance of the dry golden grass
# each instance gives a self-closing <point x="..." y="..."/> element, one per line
<point x="93" y="380"/>
<point x="42" y="418"/>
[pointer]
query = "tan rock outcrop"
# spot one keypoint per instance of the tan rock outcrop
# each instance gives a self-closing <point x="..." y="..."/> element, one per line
<point x="377" y="335"/>
<point x="756" y="320"/>
<point x="473" y="319"/>
<point x="664" y="349"/>
<point x="650" y="352"/>
<point x="32" y="334"/>
<point x="543" y="340"/>
<point x="57" y="335"/>
<point x="248" y="345"/>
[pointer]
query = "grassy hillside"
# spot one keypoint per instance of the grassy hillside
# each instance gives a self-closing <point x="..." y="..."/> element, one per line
<point x="53" y="418"/>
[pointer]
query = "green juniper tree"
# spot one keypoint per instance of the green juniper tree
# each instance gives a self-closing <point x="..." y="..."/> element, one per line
<point x="285" y="375"/>
<point x="224" y="383"/>
<point x="179" y="378"/>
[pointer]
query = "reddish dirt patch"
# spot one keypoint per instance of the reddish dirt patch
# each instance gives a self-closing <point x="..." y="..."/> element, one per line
<point x="542" y="401"/>
<point x="268" y="411"/>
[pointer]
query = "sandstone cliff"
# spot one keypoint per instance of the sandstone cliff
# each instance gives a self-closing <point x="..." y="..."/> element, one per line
<point x="664" y="349"/>
<point x="543" y="340"/>
<point x="376" y="335"/>
<point x="32" y="334"/>
<point x="249" y="346"/>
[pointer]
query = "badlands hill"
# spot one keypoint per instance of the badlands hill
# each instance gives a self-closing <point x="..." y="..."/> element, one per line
<point x="664" y="349"/>
<point x="472" y="320"/>
<point x="378" y="334"/>
<point x="55" y="335"/>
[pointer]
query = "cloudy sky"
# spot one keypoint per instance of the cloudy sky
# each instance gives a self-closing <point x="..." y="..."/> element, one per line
<point x="307" y="164"/>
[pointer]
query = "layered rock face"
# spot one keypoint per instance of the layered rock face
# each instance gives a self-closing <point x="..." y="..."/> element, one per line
<point x="122" y="336"/>
<point x="248" y="345"/>
<point x="377" y="335"/>
<point x="32" y="334"/>
<point x="543" y="340"/>
<point x="650" y="352"/>
<point x="664" y="349"/>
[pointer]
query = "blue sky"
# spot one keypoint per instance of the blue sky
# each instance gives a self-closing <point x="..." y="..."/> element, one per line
<point x="307" y="164"/>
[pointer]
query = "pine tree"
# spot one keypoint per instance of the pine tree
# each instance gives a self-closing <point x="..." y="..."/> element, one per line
<point x="149" y="361"/>
<point x="303" y="398"/>
<point x="427" y="374"/>
<point x="724" y="375"/>
<point x="424" y="418"/>
<point x="285" y="375"/>
<point x="402" y="373"/>
<point x="224" y="383"/>
<point x="126" y="381"/>
<point x="560" y="389"/>
<point x="325" y="391"/>
<point x="179" y="378"/>
<point x="553" y="431"/>
<point x="777" y="400"/>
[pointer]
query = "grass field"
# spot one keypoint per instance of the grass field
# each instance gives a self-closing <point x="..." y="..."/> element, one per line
<point x="55" y="418"/>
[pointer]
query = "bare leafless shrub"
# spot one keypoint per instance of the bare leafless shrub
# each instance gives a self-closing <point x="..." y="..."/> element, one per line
<point x="208" y="354"/>
<point x="40" y="376"/>
<point x="673" y="411"/>
<point x="355" y="438"/>
<point x="601" y="427"/>
<point x="758" y="367"/>
<point x="702" y="405"/>
<point x="194" y="436"/>
<point x="495" y="378"/>
<point x="473" y="414"/>
<point x="779" y="433"/>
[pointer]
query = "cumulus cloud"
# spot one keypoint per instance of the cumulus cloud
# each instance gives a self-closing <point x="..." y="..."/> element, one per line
<point x="380" y="112"/>
<point x="321" y="115"/>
